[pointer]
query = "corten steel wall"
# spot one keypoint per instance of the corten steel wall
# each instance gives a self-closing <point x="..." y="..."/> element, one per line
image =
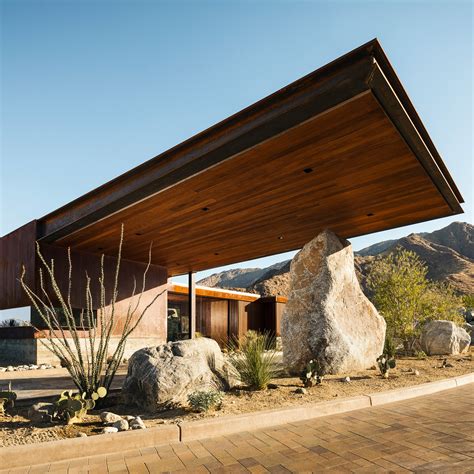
<point x="17" y="249"/>
<point x="154" y="322"/>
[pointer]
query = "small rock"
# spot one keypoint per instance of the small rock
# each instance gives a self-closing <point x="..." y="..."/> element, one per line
<point x="109" y="417"/>
<point x="43" y="367"/>
<point x="373" y="368"/>
<point x="346" y="380"/>
<point x="416" y="372"/>
<point x="10" y="368"/>
<point x="301" y="390"/>
<point x="110" y="429"/>
<point x="272" y="386"/>
<point x="121" y="425"/>
<point x="3" y="369"/>
<point x="137" y="424"/>
<point x="81" y="435"/>
<point x="129" y="417"/>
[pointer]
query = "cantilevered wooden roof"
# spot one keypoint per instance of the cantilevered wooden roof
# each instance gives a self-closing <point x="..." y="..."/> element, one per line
<point x="341" y="148"/>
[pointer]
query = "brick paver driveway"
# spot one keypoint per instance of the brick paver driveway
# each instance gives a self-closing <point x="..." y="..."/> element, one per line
<point x="426" y="434"/>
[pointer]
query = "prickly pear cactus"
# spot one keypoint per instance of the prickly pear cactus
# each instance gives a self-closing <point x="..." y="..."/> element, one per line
<point x="8" y="397"/>
<point x="72" y="407"/>
<point x="2" y="405"/>
<point x="385" y="363"/>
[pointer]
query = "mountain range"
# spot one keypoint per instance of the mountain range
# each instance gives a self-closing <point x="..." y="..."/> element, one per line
<point x="448" y="253"/>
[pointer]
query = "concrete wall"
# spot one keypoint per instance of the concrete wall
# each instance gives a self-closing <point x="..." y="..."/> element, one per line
<point x="18" y="351"/>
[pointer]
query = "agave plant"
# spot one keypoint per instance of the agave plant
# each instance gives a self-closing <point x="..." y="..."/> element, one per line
<point x="254" y="359"/>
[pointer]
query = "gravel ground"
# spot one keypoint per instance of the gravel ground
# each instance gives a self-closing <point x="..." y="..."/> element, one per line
<point x="15" y="429"/>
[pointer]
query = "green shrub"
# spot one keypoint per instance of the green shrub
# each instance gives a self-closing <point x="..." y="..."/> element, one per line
<point x="389" y="348"/>
<point x="420" y="355"/>
<point x="202" y="400"/>
<point x="407" y="299"/>
<point x="253" y="359"/>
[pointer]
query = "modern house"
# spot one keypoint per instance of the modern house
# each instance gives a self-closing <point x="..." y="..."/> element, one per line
<point x="223" y="315"/>
<point x="341" y="148"/>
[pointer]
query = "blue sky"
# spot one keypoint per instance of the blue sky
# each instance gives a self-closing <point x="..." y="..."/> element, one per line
<point x="90" y="89"/>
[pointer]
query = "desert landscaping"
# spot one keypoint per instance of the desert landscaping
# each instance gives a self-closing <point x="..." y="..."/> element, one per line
<point x="332" y="347"/>
<point x="229" y="240"/>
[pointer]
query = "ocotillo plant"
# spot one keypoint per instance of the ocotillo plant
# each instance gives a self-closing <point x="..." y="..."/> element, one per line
<point x="89" y="364"/>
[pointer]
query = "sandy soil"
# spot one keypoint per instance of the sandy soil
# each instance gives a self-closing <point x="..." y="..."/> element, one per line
<point x="16" y="429"/>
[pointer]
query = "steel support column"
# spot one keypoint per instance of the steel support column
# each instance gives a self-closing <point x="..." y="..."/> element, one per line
<point x="192" y="304"/>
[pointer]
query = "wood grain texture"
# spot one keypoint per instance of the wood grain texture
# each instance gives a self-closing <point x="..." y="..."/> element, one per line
<point x="364" y="179"/>
<point x="213" y="292"/>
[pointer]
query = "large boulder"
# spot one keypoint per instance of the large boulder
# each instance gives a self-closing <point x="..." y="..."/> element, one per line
<point x="163" y="376"/>
<point x="327" y="316"/>
<point x="444" y="338"/>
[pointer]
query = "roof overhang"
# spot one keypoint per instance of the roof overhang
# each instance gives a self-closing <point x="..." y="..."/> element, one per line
<point x="341" y="148"/>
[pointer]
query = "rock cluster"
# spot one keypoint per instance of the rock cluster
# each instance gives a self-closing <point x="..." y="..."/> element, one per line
<point x="164" y="376"/>
<point x="114" y="423"/>
<point x="20" y="368"/>
<point x="328" y="317"/>
<point x="444" y="338"/>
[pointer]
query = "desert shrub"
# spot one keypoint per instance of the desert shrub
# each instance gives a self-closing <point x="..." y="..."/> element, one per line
<point x="420" y="355"/>
<point x="312" y="374"/>
<point x="440" y="301"/>
<point x="203" y="400"/>
<point x="389" y="348"/>
<point x="468" y="302"/>
<point x="406" y="298"/>
<point x="12" y="323"/>
<point x="90" y="365"/>
<point x="253" y="359"/>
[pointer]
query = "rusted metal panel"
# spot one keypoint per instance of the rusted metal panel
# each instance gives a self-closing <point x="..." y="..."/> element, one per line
<point x="17" y="249"/>
<point x="130" y="285"/>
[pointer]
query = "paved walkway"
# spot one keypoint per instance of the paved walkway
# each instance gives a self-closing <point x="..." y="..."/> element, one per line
<point x="45" y="383"/>
<point x="434" y="433"/>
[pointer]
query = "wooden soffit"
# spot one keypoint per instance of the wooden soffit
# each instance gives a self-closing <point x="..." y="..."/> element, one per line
<point x="342" y="148"/>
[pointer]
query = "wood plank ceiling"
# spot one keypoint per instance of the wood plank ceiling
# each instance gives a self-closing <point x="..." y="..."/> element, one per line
<point x="341" y="148"/>
<point x="347" y="169"/>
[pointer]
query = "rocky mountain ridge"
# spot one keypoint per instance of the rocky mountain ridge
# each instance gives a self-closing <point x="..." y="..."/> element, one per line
<point x="447" y="252"/>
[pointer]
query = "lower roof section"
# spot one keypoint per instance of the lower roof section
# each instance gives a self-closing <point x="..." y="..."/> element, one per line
<point x="341" y="148"/>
